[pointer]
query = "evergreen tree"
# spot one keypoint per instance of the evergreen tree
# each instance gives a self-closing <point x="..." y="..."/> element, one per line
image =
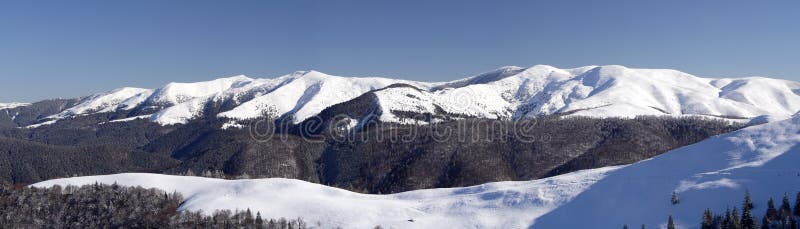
<point x="643" y="227"/>
<point x="772" y="213"/>
<point x="670" y="223"/>
<point x="707" y="220"/>
<point x="726" y="220"/>
<point x="786" y="209"/>
<point x="259" y="220"/>
<point x="248" y="218"/>
<point x="674" y="198"/>
<point x="764" y="222"/>
<point x="748" y="202"/>
<point x="625" y="226"/>
<point x="736" y="222"/>
<point x="797" y="205"/>
<point x="747" y="221"/>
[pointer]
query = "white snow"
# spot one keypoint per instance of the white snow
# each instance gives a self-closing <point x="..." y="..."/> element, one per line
<point x="176" y="93"/>
<point x="305" y="94"/>
<point x="231" y="124"/>
<point x="711" y="174"/>
<point x="12" y="105"/>
<point x="37" y="125"/>
<point x="127" y="119"/>
<point x="491" y="205"/>
<point x="119" y="99"/>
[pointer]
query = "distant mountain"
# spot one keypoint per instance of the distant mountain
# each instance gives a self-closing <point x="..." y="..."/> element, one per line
<point x="505" y="93"/>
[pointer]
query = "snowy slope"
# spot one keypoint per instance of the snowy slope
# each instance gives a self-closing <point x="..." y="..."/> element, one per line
<point x="119" y="99"/>
<point x="711" y="174"/>
<point x="504" y="93"/>
<point x="305" y="94"/>
<point x="176" y="93"/>
<point x="492" y="205"/>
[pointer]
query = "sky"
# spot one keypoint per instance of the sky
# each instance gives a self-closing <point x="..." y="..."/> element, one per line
<point x="65" y="49"/>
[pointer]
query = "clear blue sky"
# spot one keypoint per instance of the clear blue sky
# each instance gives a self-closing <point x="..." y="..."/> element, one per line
<point x="73" y="48"/>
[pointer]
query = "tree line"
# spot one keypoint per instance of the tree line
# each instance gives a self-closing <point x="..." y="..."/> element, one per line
<point x="782" y="217"/>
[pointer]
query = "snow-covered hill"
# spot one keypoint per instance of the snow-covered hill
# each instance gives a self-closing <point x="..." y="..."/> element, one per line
<point x="505" y="93"/>
<point x="711" y="174"/>
<point x="492" y="205"/>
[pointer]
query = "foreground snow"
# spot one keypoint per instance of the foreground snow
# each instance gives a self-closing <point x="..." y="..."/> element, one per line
<point x="492" y="205"/>
<point x="711" y="174"/>
<point x="505" y="93"/>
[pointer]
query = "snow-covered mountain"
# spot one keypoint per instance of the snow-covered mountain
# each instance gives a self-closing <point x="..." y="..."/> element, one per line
<point x="711" y="174"/>
<point x="505" y="93"/>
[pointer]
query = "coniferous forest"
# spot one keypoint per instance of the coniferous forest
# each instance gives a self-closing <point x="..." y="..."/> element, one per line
<point x="785" y="215"/>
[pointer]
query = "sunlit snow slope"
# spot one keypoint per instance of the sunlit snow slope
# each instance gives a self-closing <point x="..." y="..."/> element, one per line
<point x="492" y="205"/>
<point x="711" y="174"/>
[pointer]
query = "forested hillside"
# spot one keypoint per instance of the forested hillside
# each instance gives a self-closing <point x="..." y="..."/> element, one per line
<point x="377" y="158"/>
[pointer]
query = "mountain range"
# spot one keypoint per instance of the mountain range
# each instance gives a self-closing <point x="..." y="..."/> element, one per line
<point x="507" y="93"/>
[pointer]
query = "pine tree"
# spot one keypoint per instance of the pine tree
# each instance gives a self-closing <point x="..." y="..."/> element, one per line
<point x="726" y="220"/>
<point x="674" y="198"/>
<point x="748" y="202"/>
<point x="625" y="226"/>
<point x="748" y="222"/>
<point x="670" y="223"/>
<point x="797" y="205"/>
<point x="248" y="217"/>
<point x="643" y="227"/>
<point x="772" y="213"/>
<point x="259" y="220"/>
<point x="707" y="220"/>
<point x="736" y="222"/>
<point x="786" y="209"/>
<point x="764" y="222"/>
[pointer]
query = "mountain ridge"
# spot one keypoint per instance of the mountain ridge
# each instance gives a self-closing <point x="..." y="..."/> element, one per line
<point x="508" y="92"/>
